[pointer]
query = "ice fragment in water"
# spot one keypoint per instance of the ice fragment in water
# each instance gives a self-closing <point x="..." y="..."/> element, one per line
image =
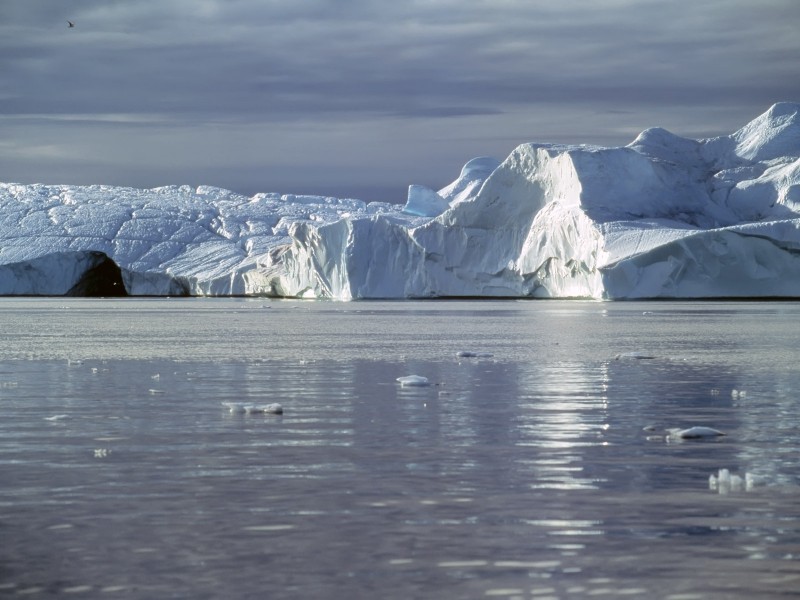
<point x="694" y="433"/>
<point x="470" y="354"/>
<point x="241" y="408"/>
<point x="634" y="356"/>
<point x="264" y="409"/>
<point x="56" y="418"/>
<point x="413" y="381"/>
<point x="726" y="482"/>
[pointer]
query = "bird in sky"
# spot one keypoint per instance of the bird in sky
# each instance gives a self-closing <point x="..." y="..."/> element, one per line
<point x="70" y="24"/>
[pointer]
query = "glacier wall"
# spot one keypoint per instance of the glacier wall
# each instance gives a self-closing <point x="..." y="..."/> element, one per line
<point x="664" y="217"/>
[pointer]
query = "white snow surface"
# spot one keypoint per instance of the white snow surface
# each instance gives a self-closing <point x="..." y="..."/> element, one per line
<point x="664" y="217"/>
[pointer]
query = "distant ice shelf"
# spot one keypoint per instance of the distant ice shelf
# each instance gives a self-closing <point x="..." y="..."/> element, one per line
<point x="664" y="217"/>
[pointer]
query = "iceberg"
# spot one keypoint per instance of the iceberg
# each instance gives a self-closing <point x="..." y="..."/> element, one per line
<point x="663" y="217"/>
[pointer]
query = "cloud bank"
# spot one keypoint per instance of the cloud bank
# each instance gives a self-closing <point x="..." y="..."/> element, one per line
<point x="361" y="98"/>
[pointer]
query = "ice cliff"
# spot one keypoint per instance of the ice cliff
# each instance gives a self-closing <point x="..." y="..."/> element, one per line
<point x="664" y="217"/>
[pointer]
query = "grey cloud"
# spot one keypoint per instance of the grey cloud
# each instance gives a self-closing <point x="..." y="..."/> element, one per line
<point x="349" y="72"/>
<point x="330" y="61"/>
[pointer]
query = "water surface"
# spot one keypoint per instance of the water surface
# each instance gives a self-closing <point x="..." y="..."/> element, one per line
<point x="523" y="475"/>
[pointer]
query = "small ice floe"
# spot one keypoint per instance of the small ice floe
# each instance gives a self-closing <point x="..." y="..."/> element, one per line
<point x="413" y="381"/>
<point x="471" y="354"/>
<point x="677" y="434"/>
<point x="726" y="482"/>
<point x="264" y="409"/>
<point x="634" y="356"/>
<point x="235" y="408"/>
<point x="240" y="408"/>
<point x="693" y="433"/>
<point x="56" y="418"/>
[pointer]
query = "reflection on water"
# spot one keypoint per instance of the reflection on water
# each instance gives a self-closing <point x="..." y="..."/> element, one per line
<point x="528" y="474"/>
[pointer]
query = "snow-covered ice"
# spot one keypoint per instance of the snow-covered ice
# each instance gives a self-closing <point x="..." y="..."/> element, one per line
<point x="663" y="217"/>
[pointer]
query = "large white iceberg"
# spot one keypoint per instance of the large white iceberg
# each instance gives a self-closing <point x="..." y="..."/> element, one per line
<point x="664" y="217"/>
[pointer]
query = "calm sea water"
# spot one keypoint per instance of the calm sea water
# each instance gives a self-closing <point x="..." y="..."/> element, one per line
<point x="527" y="474"/>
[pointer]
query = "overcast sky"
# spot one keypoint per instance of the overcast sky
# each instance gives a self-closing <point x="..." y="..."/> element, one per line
<point x="360" y="98"/>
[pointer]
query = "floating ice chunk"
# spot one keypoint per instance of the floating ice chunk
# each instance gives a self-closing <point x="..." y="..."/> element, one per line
<point x="56" y="418"/>
<point x="235" y="407"/>
<point x="694" y="433"/>
<point x="240" y="408"/>
<point x="751" y="480"/>
<point x="676" y="434"/>
<point x="726" y="482"/>
<point x="634" y="356"/>
<point x="413" y="381"/>
<point x="470" y="354"/>
<point x="265" y="409"/>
